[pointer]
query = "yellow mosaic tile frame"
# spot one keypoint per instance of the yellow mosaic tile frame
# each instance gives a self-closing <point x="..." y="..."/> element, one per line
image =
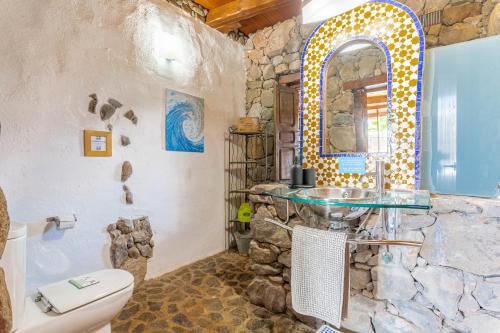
<point x="396" y="29"/>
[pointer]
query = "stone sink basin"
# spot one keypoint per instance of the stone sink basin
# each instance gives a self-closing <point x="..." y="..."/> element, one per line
<point x="335" y="194"/>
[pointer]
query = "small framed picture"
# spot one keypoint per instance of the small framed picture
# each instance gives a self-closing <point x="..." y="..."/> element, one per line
<point x="97" y="143"/>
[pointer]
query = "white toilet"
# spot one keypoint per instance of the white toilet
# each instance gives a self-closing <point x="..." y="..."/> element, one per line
<point x="71" y="310"/>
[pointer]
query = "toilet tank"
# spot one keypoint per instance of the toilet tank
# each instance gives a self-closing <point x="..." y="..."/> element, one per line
<point x="13" y="263"/>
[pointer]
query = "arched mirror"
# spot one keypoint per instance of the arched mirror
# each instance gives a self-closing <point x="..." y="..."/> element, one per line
<point x="355" y="100"/>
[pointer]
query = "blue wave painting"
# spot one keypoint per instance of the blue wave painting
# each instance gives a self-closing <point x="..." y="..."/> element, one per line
<point x="184" y="122"/>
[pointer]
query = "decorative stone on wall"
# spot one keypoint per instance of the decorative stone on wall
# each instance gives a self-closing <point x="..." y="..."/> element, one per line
<point x="106" y="112"/>
<point x="451" y="284"/>
<point x="108" y="109"/>
<point x="131" y="245"/>
<point x="126" y="171"/>
<point x="130" y="115"/>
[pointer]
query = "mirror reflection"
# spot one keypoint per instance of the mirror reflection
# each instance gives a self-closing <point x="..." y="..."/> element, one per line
<point x="355" y="98"/>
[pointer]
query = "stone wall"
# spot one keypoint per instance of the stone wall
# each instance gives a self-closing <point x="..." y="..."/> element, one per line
<point x="192" y="8"/>
<point x="271" y="52"/>
<point x="461" y="20"/>
<point x="131" y="245"/>
<point x="451" y="284"/>
<point x="237" y="36"/>
<point x="263" y="170"/>
<point x="275" y="51"/>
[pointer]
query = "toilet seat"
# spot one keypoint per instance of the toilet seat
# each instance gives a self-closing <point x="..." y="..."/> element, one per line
<point x="90" y="310"/>
<point x="85" y="310"/>
<point x="64" y="296"/>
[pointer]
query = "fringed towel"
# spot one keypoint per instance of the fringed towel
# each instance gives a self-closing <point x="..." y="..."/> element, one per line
<point x="320" y="274"/>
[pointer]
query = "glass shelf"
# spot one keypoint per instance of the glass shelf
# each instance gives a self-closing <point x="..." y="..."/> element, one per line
<point x="390" y="199"/>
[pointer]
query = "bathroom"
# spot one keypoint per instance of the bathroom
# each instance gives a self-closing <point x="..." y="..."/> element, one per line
<point x="120" y="212"/>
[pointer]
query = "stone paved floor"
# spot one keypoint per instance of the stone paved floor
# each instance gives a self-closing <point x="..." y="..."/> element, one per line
<point x="207" y="296"/>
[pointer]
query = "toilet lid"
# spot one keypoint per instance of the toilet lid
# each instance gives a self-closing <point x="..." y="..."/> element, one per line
<point x="65" y="296"/>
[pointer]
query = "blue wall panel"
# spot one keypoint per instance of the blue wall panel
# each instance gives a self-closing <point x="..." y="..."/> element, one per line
<point x="461" y="118"/>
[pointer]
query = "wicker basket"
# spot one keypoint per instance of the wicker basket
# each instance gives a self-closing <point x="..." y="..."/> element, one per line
<point x="248" y="125"/>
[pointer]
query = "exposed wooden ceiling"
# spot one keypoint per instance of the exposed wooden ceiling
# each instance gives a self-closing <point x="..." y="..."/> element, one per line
<point x="248" y="15"/>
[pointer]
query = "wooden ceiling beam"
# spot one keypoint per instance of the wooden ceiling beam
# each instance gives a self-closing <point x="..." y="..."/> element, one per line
<point x="211" y="4"/>
<point x="238" y="10"/>
<point x="270" y="17"/>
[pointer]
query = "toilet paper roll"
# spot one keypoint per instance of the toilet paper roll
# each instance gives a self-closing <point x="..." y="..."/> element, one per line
<point x="65" y="225"/>
<point x="67" y="218"/>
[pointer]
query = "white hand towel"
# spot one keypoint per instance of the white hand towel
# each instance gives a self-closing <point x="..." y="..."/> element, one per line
<point x="320" y="274"/>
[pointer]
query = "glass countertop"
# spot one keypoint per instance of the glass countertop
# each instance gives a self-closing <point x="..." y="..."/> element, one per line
<point x="390" y="199"/>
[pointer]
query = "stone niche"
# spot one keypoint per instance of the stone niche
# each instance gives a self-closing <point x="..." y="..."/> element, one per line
<point x="450" y="284"/>
<point x="131" y="245"/>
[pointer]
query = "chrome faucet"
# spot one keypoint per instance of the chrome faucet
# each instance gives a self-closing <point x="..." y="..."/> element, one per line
<point x="379" y="175"/>
<point x="388" y="225"/>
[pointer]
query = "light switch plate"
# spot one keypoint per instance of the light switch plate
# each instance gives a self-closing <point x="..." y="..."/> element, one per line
<point x="97" y="143"/>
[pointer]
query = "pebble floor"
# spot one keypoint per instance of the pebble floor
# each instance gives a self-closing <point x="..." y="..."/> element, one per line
<point x="206" y="296"/>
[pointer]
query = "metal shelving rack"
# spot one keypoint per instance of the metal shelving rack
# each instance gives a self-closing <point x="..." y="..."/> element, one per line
<point x="242" y="173"/>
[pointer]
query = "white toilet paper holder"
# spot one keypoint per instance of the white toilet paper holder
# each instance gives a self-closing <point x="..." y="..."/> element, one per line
<point x="64" y="221"/>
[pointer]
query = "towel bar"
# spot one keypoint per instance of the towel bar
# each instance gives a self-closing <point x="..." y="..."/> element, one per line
<point x="360" y="241"/>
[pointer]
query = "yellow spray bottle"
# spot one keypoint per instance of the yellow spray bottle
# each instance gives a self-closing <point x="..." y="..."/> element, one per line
<point x="245" y="213"/>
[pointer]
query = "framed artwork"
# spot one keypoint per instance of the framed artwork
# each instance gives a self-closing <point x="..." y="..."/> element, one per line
<point x="97" y="143"/>
<point x="184" y="123"/>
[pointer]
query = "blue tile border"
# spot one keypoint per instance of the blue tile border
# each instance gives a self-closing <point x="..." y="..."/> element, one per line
<point x="301" y="111"/>
<point x="389" y="79"/>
